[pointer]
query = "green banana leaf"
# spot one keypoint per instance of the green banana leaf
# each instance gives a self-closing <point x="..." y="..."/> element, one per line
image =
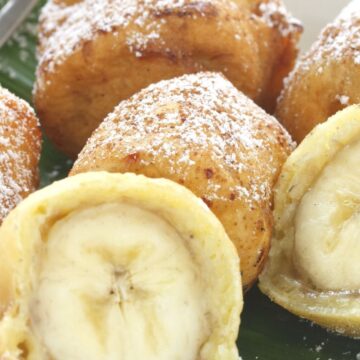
<point x="267" y="331"/>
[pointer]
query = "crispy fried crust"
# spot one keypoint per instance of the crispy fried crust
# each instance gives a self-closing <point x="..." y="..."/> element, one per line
<point x="95" y="53"/>
<point x="326" y="79"/>
<point x="20" y="143"/>
<point x="200" y="131"/>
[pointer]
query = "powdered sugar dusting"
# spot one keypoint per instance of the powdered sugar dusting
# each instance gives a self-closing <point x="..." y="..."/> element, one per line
<point x="338" y="41"/>
<point x="65" y="27"/>
<point x="275" y="14"/>
<point x="186" y="119"/>
<point x="343" y="99"/>
<point x="342" y="38"/>
<point x="19" y="151"/>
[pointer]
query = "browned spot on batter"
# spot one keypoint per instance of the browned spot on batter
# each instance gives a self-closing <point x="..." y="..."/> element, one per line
<point x="102" y="32"/>
<point x="24" y="348"/>
<point x="202" y="8"/>
<point x="209" y="173"/>
<point x="260" y="257"/>
<point x="260" y="225"/>
<point x="87" y="49"/>
<point x="132" y="158"/>
<point x="207" y="202"/>
<point x="151" y="51"/>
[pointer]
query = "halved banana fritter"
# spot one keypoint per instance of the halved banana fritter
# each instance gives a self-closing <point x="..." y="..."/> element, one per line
<point x="95" y="53"/>
<point x="106" y="266"/>
<point x="201" y="132"/>
<point x="314" y="263"/>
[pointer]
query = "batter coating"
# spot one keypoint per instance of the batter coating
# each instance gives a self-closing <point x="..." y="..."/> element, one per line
<point x="200" y="131"/>
<point x="95" y="53"/>
<point x="20" y="145"/>
<point x="326" y="79"/>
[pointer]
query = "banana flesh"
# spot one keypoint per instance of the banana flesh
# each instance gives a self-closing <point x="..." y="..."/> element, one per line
<point x="115" y="274"/>
<point x="327" y="225"/>
<point x="118" y="267"/>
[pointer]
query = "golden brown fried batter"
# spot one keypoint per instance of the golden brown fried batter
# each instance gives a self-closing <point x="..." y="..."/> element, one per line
<point x="95" y="53"/>
<point x="200" y="131"/>
<point x="20" y="143"/>
<point x="326" y="79"/>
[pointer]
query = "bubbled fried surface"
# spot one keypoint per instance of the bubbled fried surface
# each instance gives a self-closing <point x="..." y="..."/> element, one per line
<point x="200" y="131"/>
<point x="20" y="143"/>
<point x="326" y="79"/>
<point x="95" y="53"/>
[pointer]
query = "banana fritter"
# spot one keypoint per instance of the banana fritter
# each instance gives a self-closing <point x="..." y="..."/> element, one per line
<point x="200" y="131"/>
<point x="20" y="145"/>
<point x="326" y="79"/>
<point x="95" y="53"/>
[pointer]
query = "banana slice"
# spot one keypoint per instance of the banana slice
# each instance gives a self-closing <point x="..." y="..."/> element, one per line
<point x="314" y="265"/>
<point x="112" y="266"/>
